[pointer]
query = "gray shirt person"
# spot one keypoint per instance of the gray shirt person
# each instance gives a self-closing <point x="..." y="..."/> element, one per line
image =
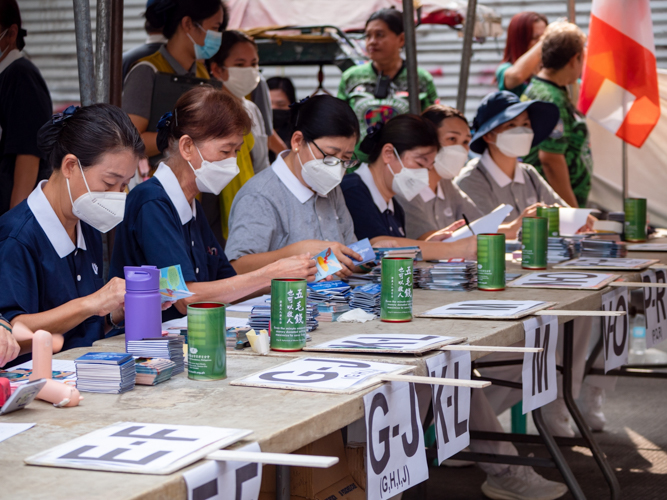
<point x="488" y="186"/>
<point x="429" y="211"/>
<point x="274" y="209"/>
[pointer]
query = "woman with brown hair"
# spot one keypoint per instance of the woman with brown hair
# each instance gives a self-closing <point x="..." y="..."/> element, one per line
<point x="165" y="225"/>
<point x="523" y="52"/>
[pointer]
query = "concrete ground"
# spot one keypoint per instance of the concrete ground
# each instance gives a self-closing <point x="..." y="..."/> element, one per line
<point x="635" y="441"/>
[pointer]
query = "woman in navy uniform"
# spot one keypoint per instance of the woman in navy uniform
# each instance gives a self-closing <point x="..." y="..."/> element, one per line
<point x="50" y="244"/>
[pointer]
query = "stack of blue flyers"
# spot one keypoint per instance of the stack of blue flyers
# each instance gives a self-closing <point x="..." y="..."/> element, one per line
<point x="312" y="316"/>
<point x="367" y="297"/>
<point x="105" y="372"/>
<point x="404" y="252"/>
<point x="260" y="317"/>
<point x="453" y="276"/>
<point x="559" y="250"/>
<point x="167" y="347"/>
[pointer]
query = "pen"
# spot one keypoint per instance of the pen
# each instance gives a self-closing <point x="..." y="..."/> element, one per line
<point x="468" y="224"/>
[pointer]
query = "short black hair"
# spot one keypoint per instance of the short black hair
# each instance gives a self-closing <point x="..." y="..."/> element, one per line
<point x="167" y="14"/>
<point x="285" y="84"/>
<point x="392" y="17"/>
<point x="229" y="39"/>
<point x="324" y="116"/>
<point x="11" y="15"/>
<point x="438" y="113"/>
<point x="89" y="133"/>
<point x="404" y="132"/>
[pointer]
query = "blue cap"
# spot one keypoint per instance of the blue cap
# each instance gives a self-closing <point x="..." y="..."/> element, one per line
<point x="500" y="107"/>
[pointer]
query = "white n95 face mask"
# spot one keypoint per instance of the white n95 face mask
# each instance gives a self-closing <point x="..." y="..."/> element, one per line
<point x="409" y="181"/>
<point x="320" y="177"/>
<point x="515" y="142"/>
<point x="242" y="81"/>
<point x="213" y="176"/>
<point x="450" y="160"/>
<point x="102" y="210"/>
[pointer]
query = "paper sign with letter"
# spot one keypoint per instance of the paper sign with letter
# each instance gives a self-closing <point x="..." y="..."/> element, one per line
<point x="487" y="224"/>
<point x="493" y="309"/>
<point x="572" y="220"/>
<point x="225" y="480"/>
<point x="451" y="405"/>
<point x="172" y="284"/>
<point x="386" y="342"/>
<point x="615" y="329"/>
<point x="327" y="264"/>
<point x="363" y="248"/>
<point x="322" y="375"/>
<point x="395" y="454"/>
<point x="603" y="263"/>
<point x="568" y="280"/>
<point x="655" y="305"/>
<point x="539" y="368"/>
<point x="139" y="448"/>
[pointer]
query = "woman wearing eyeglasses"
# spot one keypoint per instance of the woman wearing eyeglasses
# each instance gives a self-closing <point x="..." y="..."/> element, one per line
<point x="296" y="206"/>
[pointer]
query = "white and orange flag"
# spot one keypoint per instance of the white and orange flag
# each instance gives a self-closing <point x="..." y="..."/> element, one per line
<point x="619" y="87"/>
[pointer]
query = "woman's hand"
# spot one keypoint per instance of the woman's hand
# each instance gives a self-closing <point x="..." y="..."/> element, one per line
<point x="465" y="248"/>
<point x="345" y="256"/>
<point x="109" y="298"/>
<point x="588" y="227"/>
<point x="9" y="347"/>
<point x="446" y="232"/>
<point x="386" y="244"/>
<point x="298" y="266"/>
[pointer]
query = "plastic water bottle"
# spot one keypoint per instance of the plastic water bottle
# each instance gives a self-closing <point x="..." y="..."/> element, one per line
<point x="638" y="339"/>
<point x="143" y="310"/>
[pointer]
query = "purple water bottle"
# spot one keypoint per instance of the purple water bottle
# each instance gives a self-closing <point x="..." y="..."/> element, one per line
<point x="143" y="310"/>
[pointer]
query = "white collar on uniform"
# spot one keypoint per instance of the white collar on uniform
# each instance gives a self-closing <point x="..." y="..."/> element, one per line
<point x="156" y="38"/>
<point x="280" y="168"/>
<point x="427" y="193"/>
<point x="51" y="225"/>
<point x="365" y="173"/>
<point x="175" y="192"/>
<point x="501" y="178"/>
<point x="13" y="55"/>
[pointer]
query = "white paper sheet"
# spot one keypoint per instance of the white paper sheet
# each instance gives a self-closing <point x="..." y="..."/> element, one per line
<point x="572" y="219"/>
<point x="182" y="323"/>
<point x="57" y="365"/>
<point x="539" y="368"/>
<point x="498" y="308"/>
<point x="9" y="430"/>
<point x="654" y="307"/>
<point x="246" y="306"/>
<point x="385" y="341"/>
<point x="487" y="224"/>
<point x="648" y="247"/>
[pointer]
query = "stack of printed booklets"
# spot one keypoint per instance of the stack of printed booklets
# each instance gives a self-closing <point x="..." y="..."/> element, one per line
<point x="367" y="297"/>
<point x="167" y="347"/>
<point x="559" y="250"/>
<point x="454" y="276"/>
<point x="406" y="252"/>
<point x="152" y="371"/>
<point x="105" y="372"/>
<point x="598" y="248"/>
<point x="331" y="298"/>
<point x="260" y="317"/>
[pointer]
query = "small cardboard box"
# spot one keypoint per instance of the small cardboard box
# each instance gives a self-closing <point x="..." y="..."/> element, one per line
<point x="345" y="489"/>
<point x="356" y="464"/>
<point x="306" y="482"/>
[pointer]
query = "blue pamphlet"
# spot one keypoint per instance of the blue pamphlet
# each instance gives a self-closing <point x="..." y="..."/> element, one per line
<point x="108" y="358"/>
<point x="364" y="249"/>
<point x="327" y="264"/>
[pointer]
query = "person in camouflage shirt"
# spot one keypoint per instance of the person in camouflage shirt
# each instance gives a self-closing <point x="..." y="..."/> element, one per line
<point x="564" y="158"/>
<point x="377" y="91"/>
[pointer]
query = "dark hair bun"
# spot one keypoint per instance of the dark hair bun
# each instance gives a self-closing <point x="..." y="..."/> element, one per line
<point x="158" y="11"/>
<point x="164" y="131"/>
<point x="372" y="139"/>
<point x="47" y="136"/>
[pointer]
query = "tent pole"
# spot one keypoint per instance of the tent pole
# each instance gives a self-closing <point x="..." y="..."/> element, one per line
<point x="116" y="63"/>
<point x="624" y="164"/>
<point x="84" y="51"/>
<point x="102" y="51"/>
<point x="411" y="56"/>
<point x="466" y="55"/>
<point x="571" y="12"/>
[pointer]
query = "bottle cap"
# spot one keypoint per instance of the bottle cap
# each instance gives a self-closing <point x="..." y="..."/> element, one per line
<point x="142" y="279"/>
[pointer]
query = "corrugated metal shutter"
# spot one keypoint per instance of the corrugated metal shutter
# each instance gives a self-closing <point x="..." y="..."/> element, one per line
<point x="51" y="46"/>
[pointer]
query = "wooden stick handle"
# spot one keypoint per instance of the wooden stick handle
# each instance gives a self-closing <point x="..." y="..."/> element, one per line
<point x="273" y="458"/>
<point x="475" y="384"/>
<point x="489" y="348"/>
<point x="637" y="284"/>
<point x="562" y="312"/>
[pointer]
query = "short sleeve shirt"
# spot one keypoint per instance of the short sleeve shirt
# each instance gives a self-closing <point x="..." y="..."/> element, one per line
<point x="42" y="268"/>
<point x="500" y="79"/>
<point x="25" y="105"/>
<point x="274" y="209"/>
<point x="372" y="215"/>
<point x="358" y="86"/>
<point x="430" y="211"/>
<point x="570" y="137"/>
<point x="161" y="229"/>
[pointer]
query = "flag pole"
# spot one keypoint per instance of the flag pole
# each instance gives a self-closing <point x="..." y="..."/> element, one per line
<point x="624" y="166"/>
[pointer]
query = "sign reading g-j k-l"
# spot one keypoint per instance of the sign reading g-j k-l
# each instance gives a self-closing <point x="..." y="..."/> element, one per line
<point x="396" y="459"/>
<point x="615" y="329"/>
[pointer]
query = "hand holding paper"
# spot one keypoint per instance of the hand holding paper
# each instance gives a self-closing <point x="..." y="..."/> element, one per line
<point x="327" y="264"/>
<point x="172" y="284"/>
<point x="487" y="224"/>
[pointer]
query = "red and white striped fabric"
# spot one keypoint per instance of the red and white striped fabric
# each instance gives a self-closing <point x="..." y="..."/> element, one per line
<point x="620" y="84"/>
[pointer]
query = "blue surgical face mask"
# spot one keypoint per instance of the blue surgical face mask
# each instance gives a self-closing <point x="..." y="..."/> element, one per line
<point x="212" y="44"/>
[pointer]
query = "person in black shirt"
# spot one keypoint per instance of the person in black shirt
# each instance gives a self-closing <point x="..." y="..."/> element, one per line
<point x="400" y="155"/>
<point x="25" y="105"/>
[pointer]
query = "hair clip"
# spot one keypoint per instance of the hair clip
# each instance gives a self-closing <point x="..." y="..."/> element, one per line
<point x="61" y="117"/>
<point x="374" y="129"/>
<point x="165" y="120"/>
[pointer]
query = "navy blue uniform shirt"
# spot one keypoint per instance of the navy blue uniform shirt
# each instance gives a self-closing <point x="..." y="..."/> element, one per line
<point x="42" y="268"/>
<point x="161" y="229"/>
<point x="371" y="214"/>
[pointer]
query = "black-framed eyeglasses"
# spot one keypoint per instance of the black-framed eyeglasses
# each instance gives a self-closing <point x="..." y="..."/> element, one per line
<point x="334" y="161"/>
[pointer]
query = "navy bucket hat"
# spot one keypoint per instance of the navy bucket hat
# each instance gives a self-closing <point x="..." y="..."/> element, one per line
<point x="501" y="107"/>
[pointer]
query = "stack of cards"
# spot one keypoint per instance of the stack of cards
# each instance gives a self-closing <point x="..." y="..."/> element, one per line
<point x="260" y="317"/>
<point x="152" y="371"/>
<point x="595" y="248"/>
<point x="327" y="264"/>
<point x="167" y="347"/>
<point x="331" y="298"/>
<point x="105" y="372"/>
<point x="312" y="315"/>
<point x="367" y="297"/>
<point x="454" y="276"/>
<point x="559" y="250"/>
<point x="409" y="252"/>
